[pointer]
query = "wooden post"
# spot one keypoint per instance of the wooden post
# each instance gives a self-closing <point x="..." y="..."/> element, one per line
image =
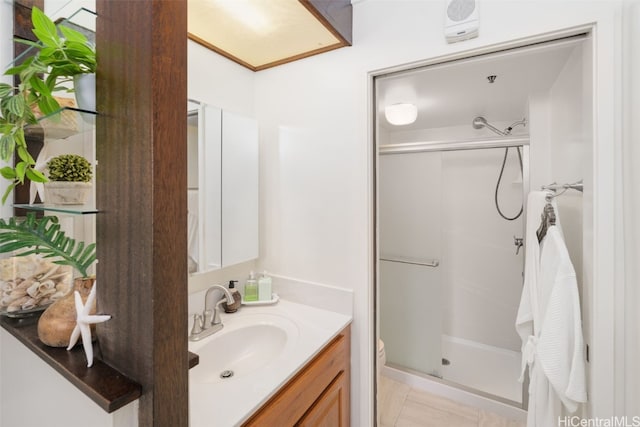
<point x="141" y="186"/>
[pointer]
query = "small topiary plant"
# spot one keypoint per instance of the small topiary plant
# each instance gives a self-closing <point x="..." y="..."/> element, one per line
<point x="69" y="167"/>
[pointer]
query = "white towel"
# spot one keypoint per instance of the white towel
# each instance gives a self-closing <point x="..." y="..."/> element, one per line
<point x="528" y="309"/>
<point x="549" y="323"/>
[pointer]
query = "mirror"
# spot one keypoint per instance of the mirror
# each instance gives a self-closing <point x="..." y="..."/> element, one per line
<point x="222" y="163"/>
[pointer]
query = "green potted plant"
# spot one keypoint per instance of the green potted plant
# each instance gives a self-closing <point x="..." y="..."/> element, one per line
<point x="60" y="57"/>
<point x="69" y="180"/>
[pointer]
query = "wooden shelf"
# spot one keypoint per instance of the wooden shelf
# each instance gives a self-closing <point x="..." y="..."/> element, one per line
<point x="107" y="387"/>
<point x="194" y="359"/>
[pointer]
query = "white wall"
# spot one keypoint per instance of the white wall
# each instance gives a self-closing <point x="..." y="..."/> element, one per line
<point x="317" y="216"/>
<point x="631" y="153"/>
<point x="561" y="151"/>
<point x="28" y="379"/>
<point x="570" y="130"/>
<point x="215" y="80"/>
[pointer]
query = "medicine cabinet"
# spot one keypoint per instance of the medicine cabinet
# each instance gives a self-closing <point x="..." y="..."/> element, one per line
<point x="222" y="187"/>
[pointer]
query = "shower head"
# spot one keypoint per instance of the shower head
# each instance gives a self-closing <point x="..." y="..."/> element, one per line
<point x="480" y="122"/>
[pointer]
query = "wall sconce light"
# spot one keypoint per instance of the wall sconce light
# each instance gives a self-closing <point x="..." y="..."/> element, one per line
<point x="401" y="114"/>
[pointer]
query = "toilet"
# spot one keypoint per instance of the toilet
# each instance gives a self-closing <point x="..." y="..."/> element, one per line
<point x="382" y="358"/>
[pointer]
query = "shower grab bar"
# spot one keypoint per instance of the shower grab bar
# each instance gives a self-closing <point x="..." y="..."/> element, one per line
<point x="432" y="263"/>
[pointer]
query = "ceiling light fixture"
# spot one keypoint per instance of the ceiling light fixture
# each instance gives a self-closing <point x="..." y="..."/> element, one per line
<point x="260" y="34"/>
<point x="401" y="114"/>
<point x="251" y="14"/>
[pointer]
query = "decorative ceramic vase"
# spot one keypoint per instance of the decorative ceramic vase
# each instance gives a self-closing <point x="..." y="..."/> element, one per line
<point x="66" y="192"/>
<point x="85" y="90"/>
<point x="57" y="321"/>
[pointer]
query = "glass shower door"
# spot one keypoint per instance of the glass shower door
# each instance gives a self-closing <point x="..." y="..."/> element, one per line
<point x="410" y="300"/>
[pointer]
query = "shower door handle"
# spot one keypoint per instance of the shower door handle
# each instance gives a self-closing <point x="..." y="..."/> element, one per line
<point x="432" y="263"/>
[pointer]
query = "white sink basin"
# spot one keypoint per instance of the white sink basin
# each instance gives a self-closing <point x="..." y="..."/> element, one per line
<point x="264" y="346"/>
<point x="247" y="343"/>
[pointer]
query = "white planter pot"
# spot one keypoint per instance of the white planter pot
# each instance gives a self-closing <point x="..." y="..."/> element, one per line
<point x="66" y="193"/>
<point x="85" y="89"/>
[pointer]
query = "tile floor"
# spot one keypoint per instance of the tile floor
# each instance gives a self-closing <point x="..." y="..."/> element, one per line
<point x="402" y="406"/>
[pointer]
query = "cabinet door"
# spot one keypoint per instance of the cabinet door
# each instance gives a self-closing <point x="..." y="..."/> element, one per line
<point x="239" y="189"/>
<point x="331" y="408"/>
<point x="210" y="209"/>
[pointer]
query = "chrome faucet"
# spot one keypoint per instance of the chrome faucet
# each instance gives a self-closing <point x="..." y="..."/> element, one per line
<point x="209" y="321"/>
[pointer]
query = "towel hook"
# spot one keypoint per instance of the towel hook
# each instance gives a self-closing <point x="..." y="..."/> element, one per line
<point x="548" y="217"/>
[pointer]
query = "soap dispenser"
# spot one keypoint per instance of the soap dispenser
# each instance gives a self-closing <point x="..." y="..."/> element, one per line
<point x="237" y="299"/>
<point x="264" y="287"/>
<point x="251" y="288"/>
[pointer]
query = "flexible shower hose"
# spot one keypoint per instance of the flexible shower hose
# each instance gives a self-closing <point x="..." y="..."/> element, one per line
<point x="504" y="162"/>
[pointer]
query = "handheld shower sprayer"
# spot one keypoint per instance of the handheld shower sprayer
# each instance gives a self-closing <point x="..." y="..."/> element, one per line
<point x="479" y="123"/>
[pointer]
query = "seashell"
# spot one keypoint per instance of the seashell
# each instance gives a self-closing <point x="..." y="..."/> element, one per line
<point x="33" y="289"/>
<point x="6" y="300"/>
<point x="42" y="269"/>
<point x="18" y="293"/>
<point x="47" y="284"/>
<point x="52" y="270"/>
<point x="47" y="292"/>
<point x="66" y="276"/>
<point x="7" y="285"/>
<point x="25" y="283"/>
<point x="38" y="288"/>
<point x="17" y="304"/>
<point x="30" y="304"/>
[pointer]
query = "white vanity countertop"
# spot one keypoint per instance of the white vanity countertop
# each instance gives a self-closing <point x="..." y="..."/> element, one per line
<point x="229" y="402"/>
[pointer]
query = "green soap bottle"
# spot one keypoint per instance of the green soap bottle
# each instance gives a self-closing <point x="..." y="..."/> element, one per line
<point x="251" y="288"/>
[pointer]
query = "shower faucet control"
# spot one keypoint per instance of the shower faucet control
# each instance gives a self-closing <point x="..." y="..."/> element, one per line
<point x="518" y="242"/>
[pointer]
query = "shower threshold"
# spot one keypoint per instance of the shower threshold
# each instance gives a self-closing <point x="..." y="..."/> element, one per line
<point x="457" y="392"/>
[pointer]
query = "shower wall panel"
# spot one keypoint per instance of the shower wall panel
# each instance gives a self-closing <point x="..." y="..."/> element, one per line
<point x="482" y="275"/>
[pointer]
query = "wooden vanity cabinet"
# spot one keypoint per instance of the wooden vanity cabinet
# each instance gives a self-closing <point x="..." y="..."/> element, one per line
<point x="318" y="395"/>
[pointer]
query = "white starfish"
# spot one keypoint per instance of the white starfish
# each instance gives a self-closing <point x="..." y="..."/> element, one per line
<point x="83" y="324"/>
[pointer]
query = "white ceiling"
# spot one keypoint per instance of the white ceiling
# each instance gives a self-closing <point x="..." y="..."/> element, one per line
<point x="452" y="94"/>
<point x="258" y="33"/>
